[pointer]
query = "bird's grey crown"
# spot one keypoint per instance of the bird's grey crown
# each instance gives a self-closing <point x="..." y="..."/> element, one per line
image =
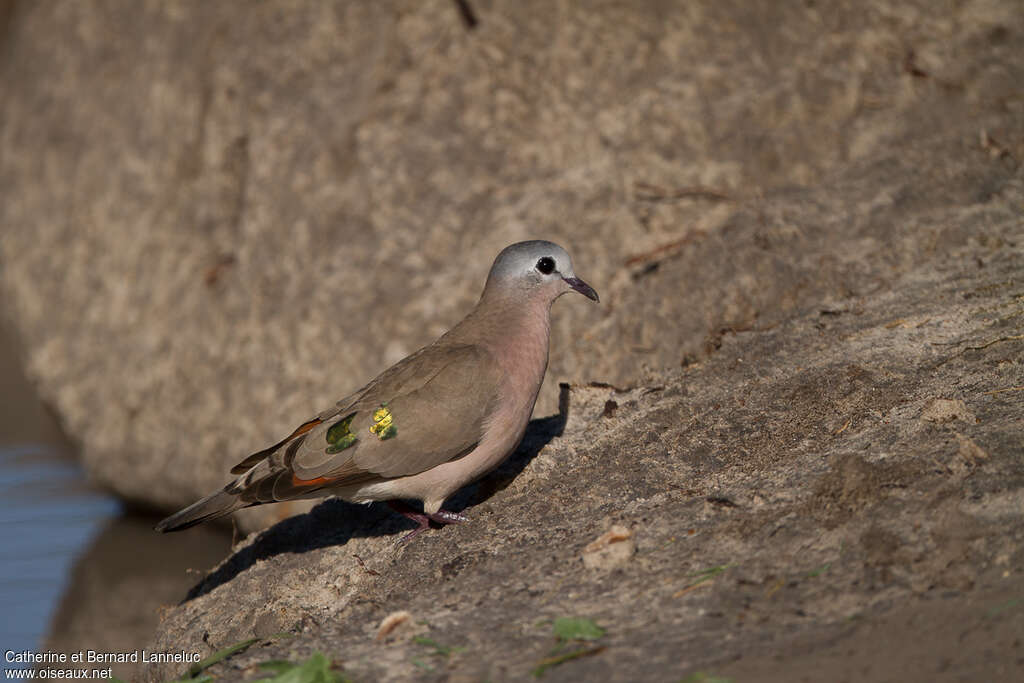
<point x="521" y="258"/>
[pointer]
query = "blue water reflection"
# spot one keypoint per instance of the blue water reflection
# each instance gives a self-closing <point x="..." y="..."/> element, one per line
<point x="48" y="514"/>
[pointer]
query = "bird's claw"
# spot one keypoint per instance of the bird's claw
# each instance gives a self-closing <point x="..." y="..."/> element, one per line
<point x="424" y="519"/>
<point x="445" y="517"/>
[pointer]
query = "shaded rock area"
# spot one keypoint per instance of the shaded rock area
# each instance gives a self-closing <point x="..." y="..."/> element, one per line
<point x="800" y="397"/>
<point x="121" y="582"/>
<point x="216" y="223"/>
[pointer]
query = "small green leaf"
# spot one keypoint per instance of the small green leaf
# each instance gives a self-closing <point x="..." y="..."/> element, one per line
<point x="705" y="574"/>
<point x="550" y="662"/>
<point x="998" y="609"/>
<point x="820" y="570"/>
<point x="218" y="656"/>
<point x="421" y="664"/>
<point x="701" y="677"/>
<point x="316" y="669"/>
<point x="439" y="649"/>
<point x="277" y="665"/>
<point x="577" y="628"/>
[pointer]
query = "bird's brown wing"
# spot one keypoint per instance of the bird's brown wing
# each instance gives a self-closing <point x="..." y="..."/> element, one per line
<point x="426" y="410"/>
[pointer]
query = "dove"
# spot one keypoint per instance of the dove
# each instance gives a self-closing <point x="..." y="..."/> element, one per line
<point x="430" y="424"/>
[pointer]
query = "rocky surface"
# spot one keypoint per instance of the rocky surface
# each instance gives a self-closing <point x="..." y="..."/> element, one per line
<point x="805" y="224"/>
<point x="215" y="223"/>
<point x="850" y="475"/>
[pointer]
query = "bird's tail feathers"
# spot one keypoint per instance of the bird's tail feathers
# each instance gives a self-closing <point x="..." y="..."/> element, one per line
<point x="213" y="506"/>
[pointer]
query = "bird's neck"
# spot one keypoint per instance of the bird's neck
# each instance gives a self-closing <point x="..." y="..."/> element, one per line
<point x="515" y="332"/>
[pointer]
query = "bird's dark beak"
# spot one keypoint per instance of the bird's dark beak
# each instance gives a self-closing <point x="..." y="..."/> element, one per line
<point x="581" y="287"/>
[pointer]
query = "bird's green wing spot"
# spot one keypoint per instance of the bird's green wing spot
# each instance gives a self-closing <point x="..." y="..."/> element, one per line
<point x="339" y="436"/>
<point x="383" y="423"/>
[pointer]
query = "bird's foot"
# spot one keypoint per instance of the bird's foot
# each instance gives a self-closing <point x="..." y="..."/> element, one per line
<point x="423" y="519"/>
<point x="446" y="517"/>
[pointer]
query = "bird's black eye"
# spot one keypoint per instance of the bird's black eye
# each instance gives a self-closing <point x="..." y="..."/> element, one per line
<point x="546" y="265"/>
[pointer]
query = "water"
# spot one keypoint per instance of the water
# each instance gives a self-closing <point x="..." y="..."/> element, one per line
<point x="47" y="516"/>
<point x="77" y="572"/>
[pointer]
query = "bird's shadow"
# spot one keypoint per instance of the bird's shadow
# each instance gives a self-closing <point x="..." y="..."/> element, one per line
<point x="334" y="521"/>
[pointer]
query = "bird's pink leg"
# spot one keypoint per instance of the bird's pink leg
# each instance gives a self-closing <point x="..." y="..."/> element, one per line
<point x="423" y="519"/>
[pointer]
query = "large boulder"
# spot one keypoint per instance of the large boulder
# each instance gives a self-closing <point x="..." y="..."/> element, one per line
<point x="216" y="222"/>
